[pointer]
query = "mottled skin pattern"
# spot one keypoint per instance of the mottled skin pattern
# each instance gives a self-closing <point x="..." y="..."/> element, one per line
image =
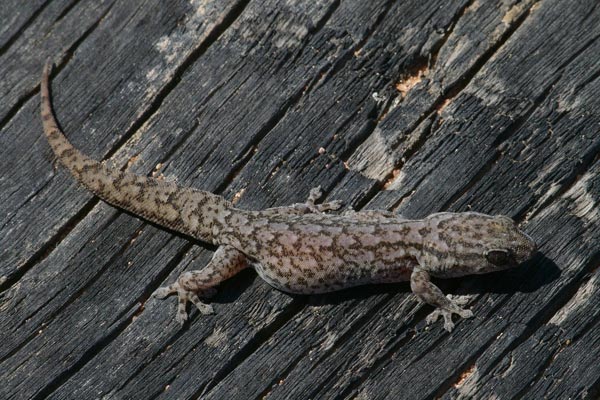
<point x="301" y="248"/>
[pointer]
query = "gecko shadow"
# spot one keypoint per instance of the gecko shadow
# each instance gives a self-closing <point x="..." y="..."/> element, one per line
<point x="526" y="278"/>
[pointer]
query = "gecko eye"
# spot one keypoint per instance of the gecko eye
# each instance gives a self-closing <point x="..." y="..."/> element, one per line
<point x="500" y="257"/>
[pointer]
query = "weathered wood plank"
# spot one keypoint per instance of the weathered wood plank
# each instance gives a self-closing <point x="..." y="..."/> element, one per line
<point x="503" y="120"/>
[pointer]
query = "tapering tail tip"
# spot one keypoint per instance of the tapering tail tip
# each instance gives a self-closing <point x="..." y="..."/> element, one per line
<point x="44" y="82"/>
<point x="48" y="64"/>
<point x="47" y="69"/>
<point x="48" y="122"/>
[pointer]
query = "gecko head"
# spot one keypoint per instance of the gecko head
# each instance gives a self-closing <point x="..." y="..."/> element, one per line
<point x="514" y="244"/>
<point x="480" y="243"/>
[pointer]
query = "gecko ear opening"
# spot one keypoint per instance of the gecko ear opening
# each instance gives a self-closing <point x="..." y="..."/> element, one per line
<point x="500" y="257"/>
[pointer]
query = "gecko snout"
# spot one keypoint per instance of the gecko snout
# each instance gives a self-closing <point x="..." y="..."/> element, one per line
<point x="526" y="247"/>
<point x="521" y="246"/>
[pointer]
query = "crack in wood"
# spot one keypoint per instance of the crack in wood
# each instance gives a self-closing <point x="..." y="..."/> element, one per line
<point x="588" y="160"/>
<point x="408" y="334"/>
<point x="86" y="356"/>
<point x="9" y="217"/>
<point x="466" y="365"/>
<point x="45" y="250"/>
<point x="359" y="323"/>
<point x="27" y="339"/>
<point x="545" y="314"/>
<point x="66" y="10"/>
<point x="185" y="137"/>
<point x="437" y="47"/>
<point x="539" y="374"/>
<point x="497" y="143"/>
<point x="451" y="91"/>
<point x="349" y="53"/>
<point x="215" y="33"/>
<point x="317" y="28"/>
<point x="259" y="338"/>
<point x="280" y="378"/>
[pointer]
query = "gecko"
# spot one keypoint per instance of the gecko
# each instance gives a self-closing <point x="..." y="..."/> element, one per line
<point x="304" y="248"/>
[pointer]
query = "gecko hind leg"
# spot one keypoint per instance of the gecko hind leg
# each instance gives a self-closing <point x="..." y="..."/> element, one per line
<point x="314" y="195"/>
<point x="226" y="262"/>
<point x="307" y="207"/>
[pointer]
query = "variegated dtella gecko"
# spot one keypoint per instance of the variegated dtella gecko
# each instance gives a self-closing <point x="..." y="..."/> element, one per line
<point x="302" y="248"/>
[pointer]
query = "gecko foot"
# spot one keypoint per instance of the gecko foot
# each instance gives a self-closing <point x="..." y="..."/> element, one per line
<point x="314" y="195"/>
<point x="456" y="302"/>
<point x="183" y="297"/>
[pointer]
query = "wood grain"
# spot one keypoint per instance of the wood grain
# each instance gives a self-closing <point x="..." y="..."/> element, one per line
<point x="411" y="106"/>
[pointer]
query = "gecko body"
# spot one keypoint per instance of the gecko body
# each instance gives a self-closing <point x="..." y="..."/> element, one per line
<point x="303" y="248"/>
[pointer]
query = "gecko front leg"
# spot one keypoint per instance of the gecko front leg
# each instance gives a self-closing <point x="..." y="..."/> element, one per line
<point x="421" y="285"/>
<point x="226" y="262"/>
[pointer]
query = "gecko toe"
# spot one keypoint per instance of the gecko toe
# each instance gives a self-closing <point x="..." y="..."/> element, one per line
<point x="183" y="297"/>
<point x="448" y="324"/>
<point x="205" y="309"/>
<point x="335" y="204"/>
<point x="433" y="317"/>
<point x="160" y="293"/>
<point x="447" y="315"/>
<point x="181" y="317"/>
<point x="456" y="306"/>
<point x="461" y="300"/>
<point x="182" y="300"/>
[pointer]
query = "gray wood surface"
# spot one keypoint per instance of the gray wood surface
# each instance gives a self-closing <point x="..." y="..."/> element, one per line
<point x="412" y="106"/>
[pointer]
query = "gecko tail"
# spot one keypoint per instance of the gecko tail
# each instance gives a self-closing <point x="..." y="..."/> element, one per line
<point x="86" y="170"/>
<point x="185" y="210"/>
<point x="75" y="161"/>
